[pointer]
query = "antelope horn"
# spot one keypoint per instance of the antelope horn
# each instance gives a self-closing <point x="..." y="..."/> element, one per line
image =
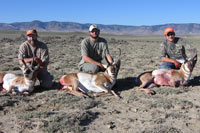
<point x="194" y="51"/>
<point x="31" y="67"/>
<point x="24" y="62"/>
<point x="32" y="60"/>
<point x="117" y="59"/>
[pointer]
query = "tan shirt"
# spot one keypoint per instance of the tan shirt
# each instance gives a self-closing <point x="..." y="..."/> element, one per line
<point x="95" y="50"/>
<point x="26" y="50"/>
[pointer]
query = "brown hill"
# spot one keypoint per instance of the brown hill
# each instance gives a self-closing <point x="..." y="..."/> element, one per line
<point x="183" y="29"/>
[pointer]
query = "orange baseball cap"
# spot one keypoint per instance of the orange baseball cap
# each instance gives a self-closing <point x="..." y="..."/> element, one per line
<point x="31" y="31"/>
<point x="169" y="29"/>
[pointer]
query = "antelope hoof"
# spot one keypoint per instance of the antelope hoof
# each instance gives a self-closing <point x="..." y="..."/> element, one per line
<point x="151" y="92"/>
<point x="63" y="88"/>
<point x="26" y="93"/>
<point x="119" y="97"/>
<point x="14" y="92"/>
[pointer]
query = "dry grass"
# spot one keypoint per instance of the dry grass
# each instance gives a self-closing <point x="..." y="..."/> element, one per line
<point x="170" y="110"/>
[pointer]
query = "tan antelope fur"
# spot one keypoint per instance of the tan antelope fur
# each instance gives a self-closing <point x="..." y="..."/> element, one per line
<point x="1" y="77"/>
<point x="79" y="84"/>
<point x="22" y="84"/>
<point x="168" y="77"/>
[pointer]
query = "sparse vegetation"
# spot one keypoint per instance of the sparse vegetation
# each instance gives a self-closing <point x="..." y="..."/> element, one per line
<point x="55" y="111"/>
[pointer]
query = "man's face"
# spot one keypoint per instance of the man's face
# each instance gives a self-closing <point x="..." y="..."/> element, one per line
<point x="94" y="33"/>
<point x="170" y="36"/>
<point x="32" y="38"/>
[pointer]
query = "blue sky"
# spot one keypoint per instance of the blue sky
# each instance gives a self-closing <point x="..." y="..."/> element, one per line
<point x="120" y="12"/>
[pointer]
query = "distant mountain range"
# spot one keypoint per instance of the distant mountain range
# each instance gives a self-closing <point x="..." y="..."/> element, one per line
<point x="55" y="26"/>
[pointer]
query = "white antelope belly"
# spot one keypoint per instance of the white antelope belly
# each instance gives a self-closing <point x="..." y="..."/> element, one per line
<point x="159" y="71"/>
<point x="8" y="79"/>
<point x="22" y="88"/>
<point x="87" y="82"/>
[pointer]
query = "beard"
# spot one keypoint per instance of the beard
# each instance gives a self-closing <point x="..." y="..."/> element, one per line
<point x="33" y="42"/>
<point x="94" y="37"/>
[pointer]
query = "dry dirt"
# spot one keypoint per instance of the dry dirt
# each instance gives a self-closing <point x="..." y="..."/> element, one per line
<point x="55" y="111"/>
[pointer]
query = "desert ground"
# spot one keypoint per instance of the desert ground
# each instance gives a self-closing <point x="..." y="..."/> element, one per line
<point x="170" y="110"/>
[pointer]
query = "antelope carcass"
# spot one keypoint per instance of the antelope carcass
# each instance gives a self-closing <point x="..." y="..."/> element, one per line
<point x="79" y="84"/>
<point x="168" y="77"/>
<point x="21" y="84"/>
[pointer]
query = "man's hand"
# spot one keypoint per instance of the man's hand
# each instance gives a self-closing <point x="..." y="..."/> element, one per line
<point x="101" y="66"/>
<point x="41" y="64"/>
<point x="38" y="61"/>
<point x="177" y="64"/>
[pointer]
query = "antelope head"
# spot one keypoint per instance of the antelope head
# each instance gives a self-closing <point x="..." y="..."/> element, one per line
<point x="113" y="68"/>
<point x="28" y="69"/>
<point x="191" y="62"/>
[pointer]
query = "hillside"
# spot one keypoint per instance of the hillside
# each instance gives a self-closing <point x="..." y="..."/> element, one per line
<point x="55" y="26"/>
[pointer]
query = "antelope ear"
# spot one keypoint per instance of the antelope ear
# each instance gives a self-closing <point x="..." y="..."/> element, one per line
<point x="21" y="67"/>
<point x="186" y="61"/>
<point x="195" y="58"/>
<point x="24" y="63"/>
<point x="118" y="63"/>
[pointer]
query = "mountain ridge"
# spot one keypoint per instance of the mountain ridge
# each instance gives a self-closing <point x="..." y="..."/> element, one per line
<point x="56" y="26"/>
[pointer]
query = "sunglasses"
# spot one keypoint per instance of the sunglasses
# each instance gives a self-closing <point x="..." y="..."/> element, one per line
<point x="95" y="30"/>
<point x="171" y="34"/>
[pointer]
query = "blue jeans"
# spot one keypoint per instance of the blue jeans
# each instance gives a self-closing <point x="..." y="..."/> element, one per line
<point x="168" y="65"/>
<point x="45" y="78"/>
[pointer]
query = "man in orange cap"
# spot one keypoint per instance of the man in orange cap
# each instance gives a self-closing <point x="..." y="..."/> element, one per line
<point x="94" y="51"/>
<point x="32" y="49"/>
<point x="173" y="50"/>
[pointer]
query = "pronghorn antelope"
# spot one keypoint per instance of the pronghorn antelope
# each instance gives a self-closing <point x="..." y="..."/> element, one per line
<point x="168" y="77"/>
<point x="22" y="84"/>
<point x="79" y="84"/>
